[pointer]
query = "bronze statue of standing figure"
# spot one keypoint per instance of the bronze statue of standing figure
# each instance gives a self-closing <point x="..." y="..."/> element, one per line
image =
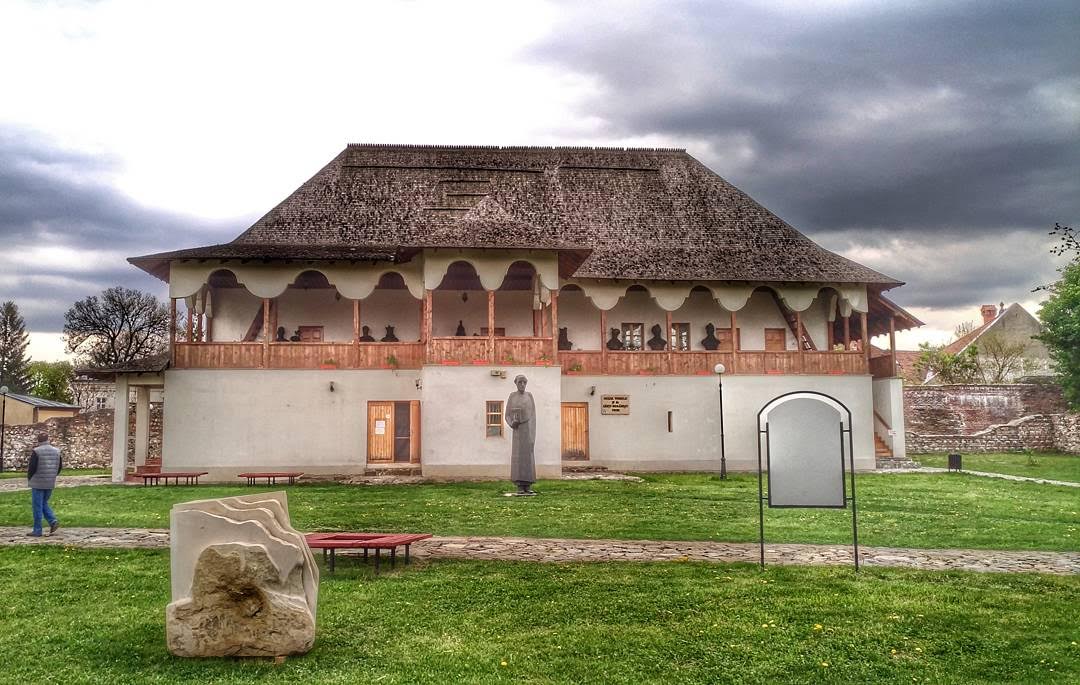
<point x="521" y="417"/>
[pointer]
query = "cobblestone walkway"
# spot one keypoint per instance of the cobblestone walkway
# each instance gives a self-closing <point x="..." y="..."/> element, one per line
<point x="16" y="484"/>
<point x="538" y="549"/>
<point x="986" y="474"/>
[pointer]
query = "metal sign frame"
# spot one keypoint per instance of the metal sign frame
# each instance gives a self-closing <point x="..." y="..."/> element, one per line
<point x="763" y="434"/>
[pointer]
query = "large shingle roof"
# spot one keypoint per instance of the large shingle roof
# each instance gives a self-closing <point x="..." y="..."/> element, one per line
<point x="643" y="213"/>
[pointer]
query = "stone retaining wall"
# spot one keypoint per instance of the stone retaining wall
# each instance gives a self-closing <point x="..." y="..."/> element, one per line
<point x="1027" y="433"/>
<point x="969" y="409"/>
<point x="84" y="440"/>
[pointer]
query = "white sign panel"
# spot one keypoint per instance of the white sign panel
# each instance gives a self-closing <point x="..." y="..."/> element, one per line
<point x="805" y="455"/>
<point x="380" y="427"/>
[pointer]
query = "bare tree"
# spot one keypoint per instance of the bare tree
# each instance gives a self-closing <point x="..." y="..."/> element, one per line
<point x="117" y="327"/>
<point x="1000" y="361"/>
<point x="963" y="329"/>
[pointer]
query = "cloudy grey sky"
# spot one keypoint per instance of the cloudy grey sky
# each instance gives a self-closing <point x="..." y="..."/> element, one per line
<point x="936" y="142"/>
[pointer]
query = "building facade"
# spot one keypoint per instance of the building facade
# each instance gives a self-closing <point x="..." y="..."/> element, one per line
<point x="377" y="317"/>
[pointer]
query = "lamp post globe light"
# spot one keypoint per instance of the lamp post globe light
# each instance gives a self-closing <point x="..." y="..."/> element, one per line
<point x="720" y="369"/>
<point x="3" y="420"/>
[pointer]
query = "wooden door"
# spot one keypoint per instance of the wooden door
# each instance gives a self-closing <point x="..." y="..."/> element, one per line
<point x="775" y="339"/>
<point x="402" y="433"/>
<point x="380" y="440"/>
<point x="575" y="431"/>
<point x="311" y="334"/>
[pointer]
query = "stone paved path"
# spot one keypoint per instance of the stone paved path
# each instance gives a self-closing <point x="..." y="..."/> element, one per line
<point x="986" y="474"/>
<point x="538" y="549"/>
<point x="16" y="484"/>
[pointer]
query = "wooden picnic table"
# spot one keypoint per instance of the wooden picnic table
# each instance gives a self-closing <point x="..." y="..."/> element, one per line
<point x="190" y="477"/>
<point x="270" y="476"/>
<point x="329" y="543"/>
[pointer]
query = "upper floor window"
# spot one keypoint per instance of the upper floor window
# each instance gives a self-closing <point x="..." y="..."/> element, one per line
<point x="775" y="340"/>
<point x="680" y="336"/>
<point x="633" y="335"/>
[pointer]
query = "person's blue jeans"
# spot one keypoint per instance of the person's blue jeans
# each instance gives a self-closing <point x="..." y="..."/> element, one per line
<point x="39" y="500"/>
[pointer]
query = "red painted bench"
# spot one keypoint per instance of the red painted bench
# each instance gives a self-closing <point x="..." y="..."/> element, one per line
<point x="331" y="542"/>
<point x="190" y="477"/>
<point x="271" y="476"/>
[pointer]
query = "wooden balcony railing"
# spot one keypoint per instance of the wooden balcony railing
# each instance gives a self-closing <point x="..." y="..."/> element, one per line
<point x="510" y="351"/>
<point x="883" y="367"/>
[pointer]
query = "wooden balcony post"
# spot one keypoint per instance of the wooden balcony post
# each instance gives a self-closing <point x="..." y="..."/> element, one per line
<point x="491" y="326"/>
<point x="670" y="347"/>
<point x="356" y="333"/>
<point x="266" y="333"/>
<point x="426" y="332"/>
<point x="847" y="333"/>
<point x="172" y="331"/>
<point x="865" y="339"/>
<point x="734" y="344"/>
<point x="799" y="341"/>
<point x="892" y="345"/>
<point x="603" y="341"/>
<point x="554" y="325"/>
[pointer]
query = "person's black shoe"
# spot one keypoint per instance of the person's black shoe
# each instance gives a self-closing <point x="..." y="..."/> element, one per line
<point x="33" y="535"/>
<point x="53" y="527"/>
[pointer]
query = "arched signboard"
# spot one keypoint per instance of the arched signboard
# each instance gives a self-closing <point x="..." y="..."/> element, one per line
<point x="805" y="439"/>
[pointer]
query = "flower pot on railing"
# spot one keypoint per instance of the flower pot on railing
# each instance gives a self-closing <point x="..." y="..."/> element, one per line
<point x="328" y="364"/>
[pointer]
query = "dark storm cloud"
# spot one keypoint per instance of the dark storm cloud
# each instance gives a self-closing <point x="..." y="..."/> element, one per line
<point x="917" y="121"/>
<point x="65" y="233"/>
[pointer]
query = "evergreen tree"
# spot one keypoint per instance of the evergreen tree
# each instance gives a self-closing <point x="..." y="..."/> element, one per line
<point x="14" y="366"/>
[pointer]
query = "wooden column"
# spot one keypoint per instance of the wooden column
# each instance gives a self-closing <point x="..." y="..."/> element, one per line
<point x="799" y="342"/>
<point x="491" y="326"/>
<point x="847" y="333"/>
<point x="603" y="341"/>
<point x="427" y="325"/>
<point x="190" y="326"/>
<point x="356" y="333"/>
<point x="554" y="325"/>
<point x="172" y="331"/>
<point x="266" y="333"/>
<point x="670" y="347"/>
<point x="892" y="344"/>
<point x="865" y="342"/>
<point x="734" y="344"/>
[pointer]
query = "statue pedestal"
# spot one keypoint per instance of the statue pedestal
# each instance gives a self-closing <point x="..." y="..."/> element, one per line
<point x="520" y="494"/>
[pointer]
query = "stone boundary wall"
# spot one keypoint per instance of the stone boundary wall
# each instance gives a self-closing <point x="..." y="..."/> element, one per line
<point x="969" y="409"/>
<point x="1067" y="432"/>
<point x="84" y="440"/>
<point x="1027" y="433"/>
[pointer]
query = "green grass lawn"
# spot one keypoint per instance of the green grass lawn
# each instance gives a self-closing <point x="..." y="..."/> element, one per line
<point x="95" y="616"/>
<point x="901" y="510"/>
<point x="1052" y="465"/>
<point x="21" y="473"/>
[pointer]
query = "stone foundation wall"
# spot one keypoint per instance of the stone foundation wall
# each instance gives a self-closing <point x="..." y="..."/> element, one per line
<point x="969" y="409"/>
<point x="84" y="440"/>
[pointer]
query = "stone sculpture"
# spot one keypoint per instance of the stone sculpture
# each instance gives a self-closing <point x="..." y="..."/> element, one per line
<point x="389" y="337"/>
<point x="564" y="341"/>
<point x="521" y="417"/>
<point x="656" y="342"/>
<point x="280" y="337"/>
<point x="244" y="582"/>
<point x="295" y="336"/>
<point x="710" y="342"/>
<point x="614" y="343"/>
<point x="366" y="337"/>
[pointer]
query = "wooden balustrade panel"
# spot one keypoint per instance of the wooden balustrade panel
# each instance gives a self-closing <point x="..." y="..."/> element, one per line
<point x="306" y="355"/>
<point x="235" y="355"/>
<point x="698" y="363"/>
<point x="635" y="363"/>
<point x="378" y="355"/>
<point x="782" y="362"/>
<point x="881" y="367"/>
<point x="463" y="350"/>
<point x="750" y="363"/>
<point x="522" y="350"/>
<point x="590" y="362"/>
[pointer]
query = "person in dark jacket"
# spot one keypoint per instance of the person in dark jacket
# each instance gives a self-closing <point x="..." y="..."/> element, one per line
<point x="45" y="465"/>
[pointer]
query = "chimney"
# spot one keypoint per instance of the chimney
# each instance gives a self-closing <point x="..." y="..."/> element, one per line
<point x="989" y="313"/>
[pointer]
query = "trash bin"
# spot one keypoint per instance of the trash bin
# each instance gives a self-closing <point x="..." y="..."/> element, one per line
<point x="954" y="463"/>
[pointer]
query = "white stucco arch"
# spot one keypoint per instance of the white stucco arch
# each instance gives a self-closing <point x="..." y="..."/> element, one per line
<point x="491" y="266"/>
<point x="354" y="281"/>
<point x="732" y="297"/>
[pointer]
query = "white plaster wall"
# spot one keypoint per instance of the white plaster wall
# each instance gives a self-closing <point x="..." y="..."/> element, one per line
<point x="234" y="309"/>
<point x="447" y="309"/>
<point x="455" y="442"/>
<point x="316" y="307"/>
<point x="581" y="319"/>
<point x="395" y="307"/>
<point x="229" y="421"/>
<point x="513" y="311"/>
<point x="815" y="321"/>
<point x="637" y="307"/>
<point x="889" y="404"/>
<point x="640" y="441"/>
<point x="698" y="310"/>
<point x="760" y="313"/>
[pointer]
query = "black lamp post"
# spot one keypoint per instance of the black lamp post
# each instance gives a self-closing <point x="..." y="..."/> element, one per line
<point x="719" y="369"/>
<point x="3" y="420"/>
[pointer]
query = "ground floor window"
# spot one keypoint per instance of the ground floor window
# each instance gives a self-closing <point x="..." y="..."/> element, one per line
<point x="494" y="419"/>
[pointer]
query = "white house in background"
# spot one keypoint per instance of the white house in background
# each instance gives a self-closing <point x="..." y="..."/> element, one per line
<point x="377" y="317"/>
<point x="96" y="394"/>
<point x="1004" y="327"/>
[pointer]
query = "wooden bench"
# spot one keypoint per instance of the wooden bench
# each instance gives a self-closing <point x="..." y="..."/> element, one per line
<point x="329" y="543"/>
<point x="190" y="477"/>
<point x="271" y="476"/>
